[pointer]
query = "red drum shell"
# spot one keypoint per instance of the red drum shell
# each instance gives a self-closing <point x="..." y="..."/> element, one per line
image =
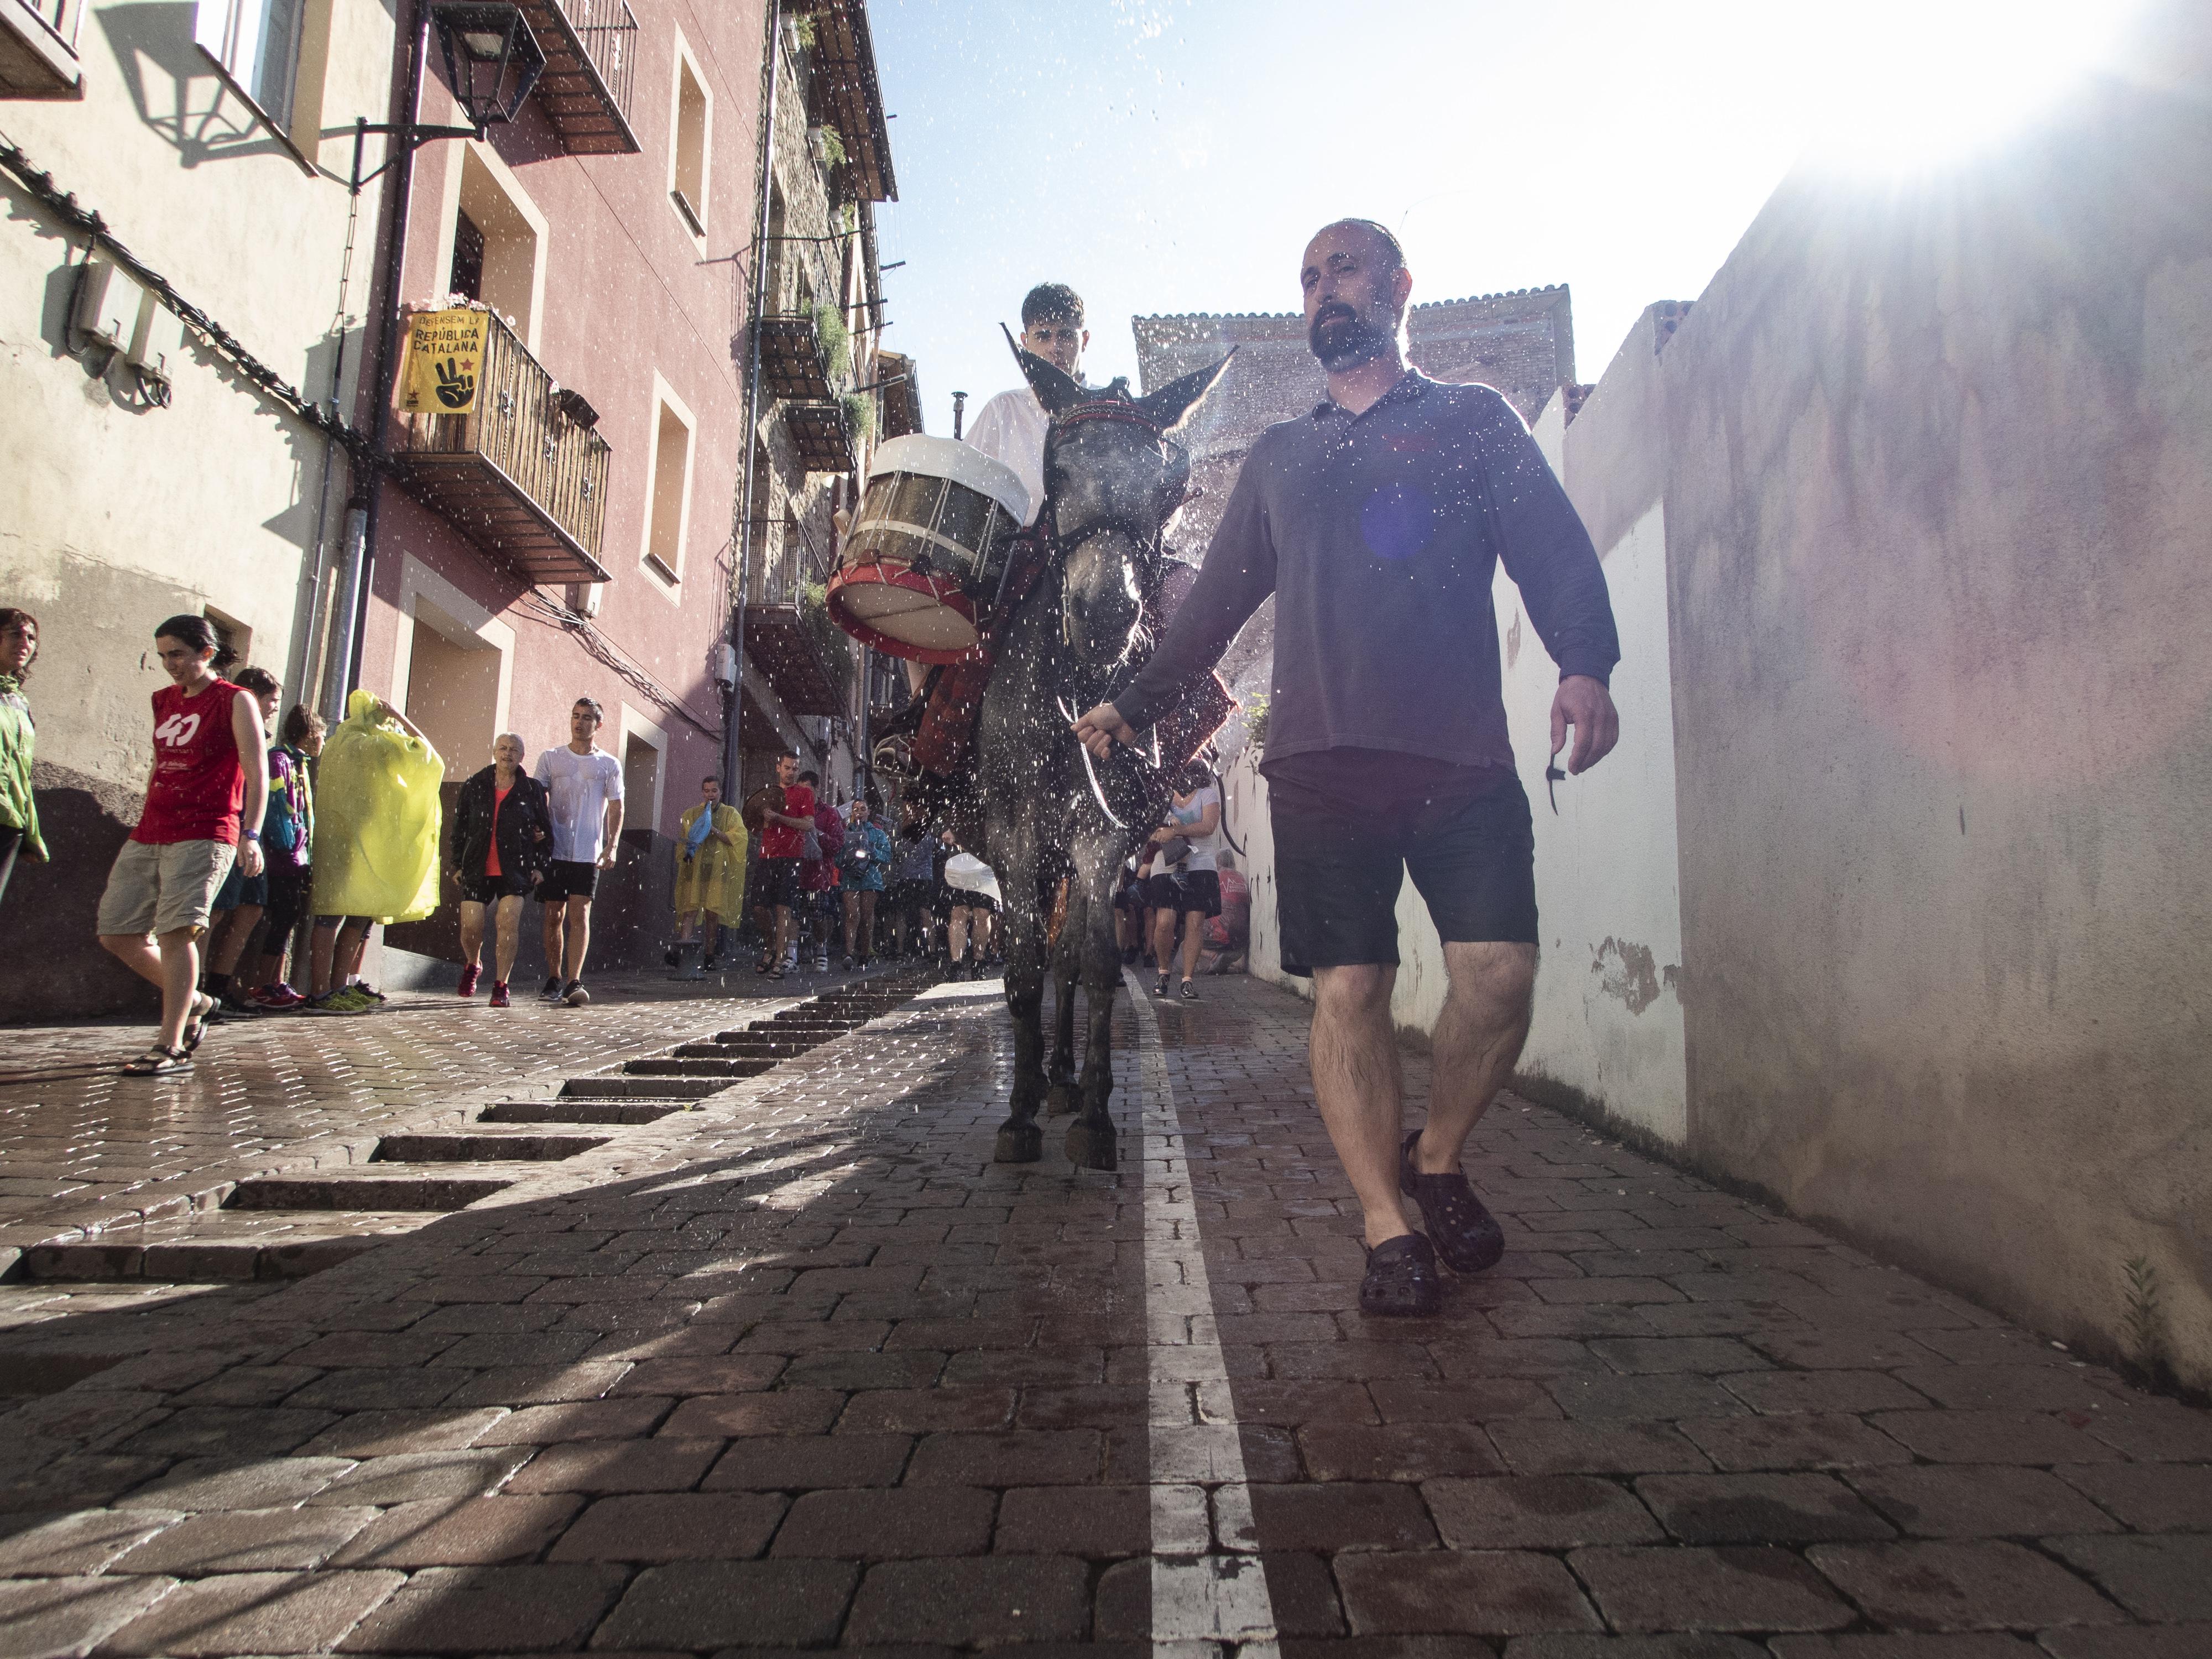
<point x="881" y="605"/>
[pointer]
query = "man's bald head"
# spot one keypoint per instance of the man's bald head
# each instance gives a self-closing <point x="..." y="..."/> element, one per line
<point x="1356" y="285"/>
<point x="1389" y="251"/>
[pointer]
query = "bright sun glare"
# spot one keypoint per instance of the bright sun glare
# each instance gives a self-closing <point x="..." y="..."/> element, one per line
<point x="1909" y="83"/>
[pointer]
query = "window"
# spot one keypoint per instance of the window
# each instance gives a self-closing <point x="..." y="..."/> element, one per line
<point x="667" y="508"/>
<point x="466" y="276"/>
<point x="257" y="42"/>
<point x="496" y="237"/>
<point x="687" y="156"/>
<point x="645" y="772"/>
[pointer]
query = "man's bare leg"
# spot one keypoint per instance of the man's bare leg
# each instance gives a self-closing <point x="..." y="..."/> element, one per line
<point x="555" y="914"/>
<point x="580" y="938"/>
<point x="172" y="963"/>
<point x="1477" y="1040"/>
<point x="1360" y="1089"/>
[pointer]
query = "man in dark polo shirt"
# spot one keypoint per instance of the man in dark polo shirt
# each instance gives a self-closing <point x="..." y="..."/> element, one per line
<point x="1377" y="521"/>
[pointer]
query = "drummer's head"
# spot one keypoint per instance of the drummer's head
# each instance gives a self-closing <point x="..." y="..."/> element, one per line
<point x="1356" y="287"/>
<point x="1052" y="327"/>
<point x="787" y="769"/>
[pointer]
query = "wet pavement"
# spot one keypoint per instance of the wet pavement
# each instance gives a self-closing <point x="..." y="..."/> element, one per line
<point x="84" y="1151"/>
<point x="782" y="1361"/>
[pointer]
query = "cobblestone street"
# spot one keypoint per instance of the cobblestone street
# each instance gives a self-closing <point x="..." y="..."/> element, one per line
<point x="768" y="1355"/>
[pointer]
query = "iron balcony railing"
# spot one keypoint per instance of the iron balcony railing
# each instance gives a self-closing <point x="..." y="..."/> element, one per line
<point x="522" y="475"/>
<point x="591" y="69"/>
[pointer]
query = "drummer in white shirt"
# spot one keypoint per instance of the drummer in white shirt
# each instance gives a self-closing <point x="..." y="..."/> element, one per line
<point x="1010" y="428"/>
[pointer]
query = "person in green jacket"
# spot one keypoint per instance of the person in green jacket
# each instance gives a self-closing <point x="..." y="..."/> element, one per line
<point x="19" y="810"/>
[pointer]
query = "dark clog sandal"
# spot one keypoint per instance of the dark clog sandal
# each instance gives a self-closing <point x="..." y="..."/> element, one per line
<point x="1402" y="1280"/>
<point x="158" y="1062"/>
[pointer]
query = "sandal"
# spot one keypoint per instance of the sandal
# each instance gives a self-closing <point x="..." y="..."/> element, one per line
<point x="1161" y="989"/>
<point x="196" y="1024"/>
<point x="158" y="1062"/>
<point x="771" y="973"/>
<point x="1401" y="1280"/>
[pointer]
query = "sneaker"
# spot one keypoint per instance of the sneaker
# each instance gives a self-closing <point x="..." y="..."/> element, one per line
<point x="575" y="996"/>
<point x="1190" y="991"/>
<point x="1468" y="1236"/>
<point x="1161" y="988"/>
<point x="552" y="991"/>
<point x="470" y="974"/>
<point x="346" y="999"/>
<point x="711" y="966"/>
<point x="236" y="1005"/>
<point x="1402" y="1281"/>
<point x="821" y="964"/>
<point x="363" y="988"/>
<point x="499" y="997"/>
<point x="277" y="998"/>
<point x="850" y="963"/>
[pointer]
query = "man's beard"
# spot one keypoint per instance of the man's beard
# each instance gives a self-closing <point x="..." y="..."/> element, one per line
<point x="1342" y="339"/>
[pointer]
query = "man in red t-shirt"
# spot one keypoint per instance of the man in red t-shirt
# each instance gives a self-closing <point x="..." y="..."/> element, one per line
<point x="786" y="816"/>
<point x="210" y="773"/>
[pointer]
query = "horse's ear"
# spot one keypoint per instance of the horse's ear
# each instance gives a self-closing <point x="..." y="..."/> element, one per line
<point x="1057" y="391"/>
<point x="1167" y="407"/>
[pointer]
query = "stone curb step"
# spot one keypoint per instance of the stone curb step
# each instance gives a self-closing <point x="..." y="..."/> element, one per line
<point x="475" y="1148"/>
<point x="290" y="1225"/>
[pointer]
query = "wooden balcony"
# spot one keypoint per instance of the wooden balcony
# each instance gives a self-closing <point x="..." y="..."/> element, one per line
<point x="785" y="645"/>
<point x="820" y="435"/>
<point x="523" y="475"/>
<point x="590" y="67"/>
<point x="793" y="365"/>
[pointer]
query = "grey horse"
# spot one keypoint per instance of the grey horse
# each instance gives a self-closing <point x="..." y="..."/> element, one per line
<point x="1114" y="477"/>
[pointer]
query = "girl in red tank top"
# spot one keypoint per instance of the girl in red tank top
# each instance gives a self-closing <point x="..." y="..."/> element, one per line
<point x="198" y="783"/>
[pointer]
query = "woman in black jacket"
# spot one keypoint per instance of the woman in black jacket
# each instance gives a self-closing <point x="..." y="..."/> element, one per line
<point x="502" y="837"/>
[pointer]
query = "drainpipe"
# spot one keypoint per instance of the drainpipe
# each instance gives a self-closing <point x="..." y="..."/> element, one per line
<point x="732" y="750"/>
<point x="362" y="510"/>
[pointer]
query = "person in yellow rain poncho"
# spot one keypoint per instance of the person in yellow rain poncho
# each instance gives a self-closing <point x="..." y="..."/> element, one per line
<point x="710" y="873"/>
<point x="377" y="819"/>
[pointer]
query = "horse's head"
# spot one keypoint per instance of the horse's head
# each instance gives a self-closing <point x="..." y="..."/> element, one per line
<point x="1114" y="476"/>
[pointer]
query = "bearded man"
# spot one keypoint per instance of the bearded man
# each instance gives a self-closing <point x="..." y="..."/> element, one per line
<point x="1376" y="520"/>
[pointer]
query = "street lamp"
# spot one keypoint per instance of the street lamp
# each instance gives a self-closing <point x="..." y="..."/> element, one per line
<point x="492" y="62"/>
<point x="480" y="44"/>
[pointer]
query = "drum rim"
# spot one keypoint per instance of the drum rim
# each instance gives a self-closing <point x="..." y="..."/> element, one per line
<point x="893" y="575"/>
<point x="962" y="463"/>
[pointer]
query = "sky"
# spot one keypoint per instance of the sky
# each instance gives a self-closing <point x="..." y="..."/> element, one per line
<point x="1174" y="155"/>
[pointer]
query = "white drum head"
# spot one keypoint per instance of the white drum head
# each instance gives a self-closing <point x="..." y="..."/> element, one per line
<point x="909" y="616"/>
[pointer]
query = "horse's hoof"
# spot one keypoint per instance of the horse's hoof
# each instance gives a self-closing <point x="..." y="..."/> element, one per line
<point x="1061" y="1099"/>
<point x="1092" y="1146"/>
<point x="1019" y="1143"/>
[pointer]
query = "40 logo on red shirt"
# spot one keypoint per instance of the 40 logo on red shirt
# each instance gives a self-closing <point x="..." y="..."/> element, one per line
<point x="178" y="730"/>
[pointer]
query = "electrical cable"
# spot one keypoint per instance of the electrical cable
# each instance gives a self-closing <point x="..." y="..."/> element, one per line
<point x="63" y="205"/>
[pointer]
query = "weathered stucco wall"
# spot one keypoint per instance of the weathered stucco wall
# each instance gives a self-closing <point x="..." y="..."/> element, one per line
<point x="1936" y="533"/>
<point x="115" y="513"/>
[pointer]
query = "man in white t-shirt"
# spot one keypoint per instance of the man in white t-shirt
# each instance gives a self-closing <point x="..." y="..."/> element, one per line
<point x="584" y="785"/>
<point x="1010" y="428"/>
<point x="1186" y="886"/>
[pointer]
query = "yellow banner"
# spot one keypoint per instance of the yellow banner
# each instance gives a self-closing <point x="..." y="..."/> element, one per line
<point x="445" y="362"/>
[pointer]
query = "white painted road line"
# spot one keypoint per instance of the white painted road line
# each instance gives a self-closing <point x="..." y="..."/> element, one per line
<point x="1208" y="1587"/>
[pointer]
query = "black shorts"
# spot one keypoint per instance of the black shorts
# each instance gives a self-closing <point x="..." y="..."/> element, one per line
<point x="951" y="898"/>
<point x="490" y="889"/>
<point x="239" y="888"/>
<point x="776" y="883"/>
<point x="566" y="878"/>
<point x="1193" y="890"/>
<point x="910" y="894"/>
<point x="1473" y="860"/>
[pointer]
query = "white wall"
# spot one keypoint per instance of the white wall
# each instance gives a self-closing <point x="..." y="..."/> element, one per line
<point x="1608" y="1013"/>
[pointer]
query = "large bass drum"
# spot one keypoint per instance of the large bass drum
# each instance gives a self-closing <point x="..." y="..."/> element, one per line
<point x="927" y="549"/>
